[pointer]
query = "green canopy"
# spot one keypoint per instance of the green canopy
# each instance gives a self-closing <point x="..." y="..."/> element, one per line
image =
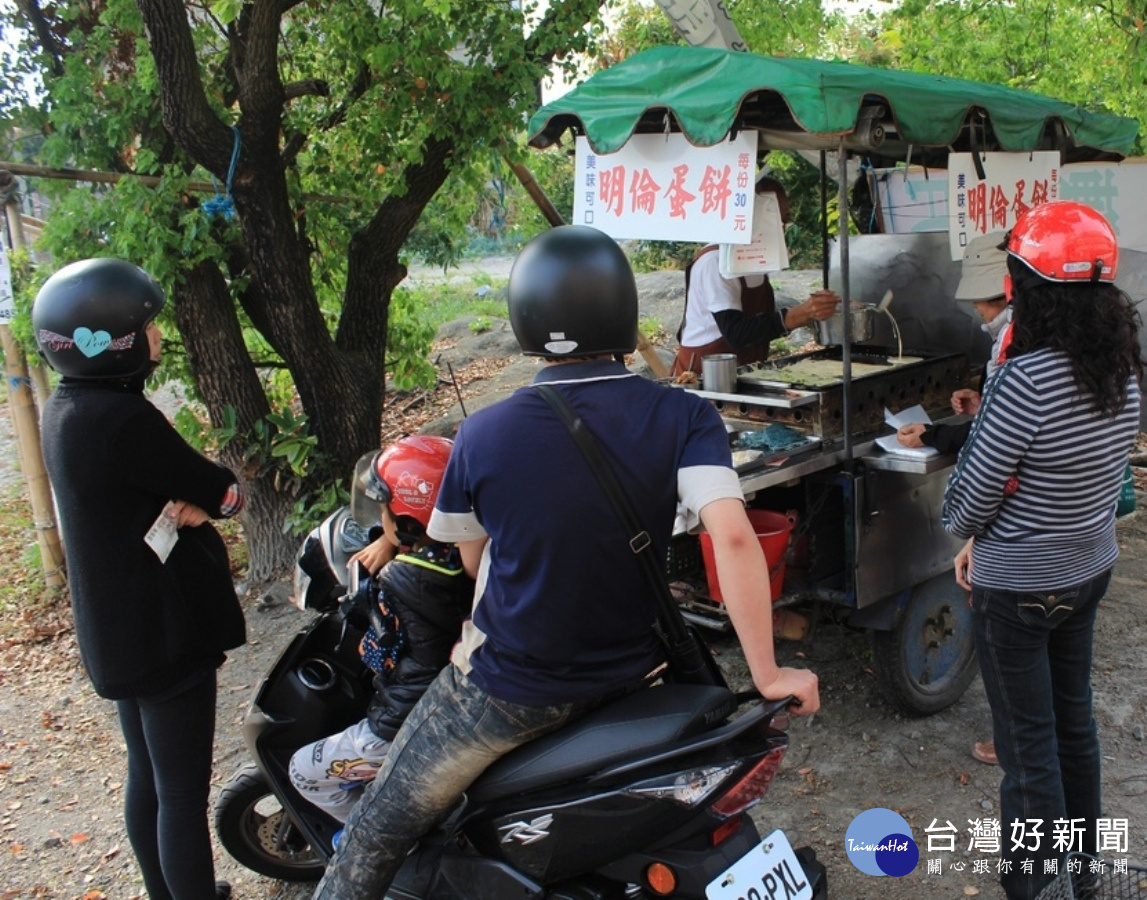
<point x="808" y="104"/>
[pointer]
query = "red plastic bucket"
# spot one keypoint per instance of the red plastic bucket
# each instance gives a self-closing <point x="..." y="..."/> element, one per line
<point x="773" y="530"/>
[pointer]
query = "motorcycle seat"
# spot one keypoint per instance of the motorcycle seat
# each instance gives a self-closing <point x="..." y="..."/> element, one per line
<point x="639" y="723"/>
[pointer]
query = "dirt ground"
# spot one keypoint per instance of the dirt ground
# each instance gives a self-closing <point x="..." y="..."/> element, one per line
<point x="61" y="765"/>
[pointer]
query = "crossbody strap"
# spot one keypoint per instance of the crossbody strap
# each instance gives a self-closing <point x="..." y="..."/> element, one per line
<point x="640" y="543"/>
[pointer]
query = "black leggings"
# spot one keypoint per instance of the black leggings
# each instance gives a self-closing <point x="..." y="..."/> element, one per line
<point x="169" y="745"/>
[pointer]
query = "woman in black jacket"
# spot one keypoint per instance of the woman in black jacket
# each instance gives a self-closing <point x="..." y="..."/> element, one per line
<point x="152" y="596"/>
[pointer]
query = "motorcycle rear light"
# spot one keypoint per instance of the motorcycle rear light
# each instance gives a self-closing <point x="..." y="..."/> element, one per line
<point x="661" y="879"/>
<point x="726" y="830"/>
<point x="751" y="787"/>
<point x="687" y="788"/>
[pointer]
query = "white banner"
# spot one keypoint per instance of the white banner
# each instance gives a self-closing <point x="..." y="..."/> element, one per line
<point x="7" y="299"/>
<point x="661" y="187"/>
<point x="910" y="200"/>
<point x="1012" y="184"/>
<point x="1118" y="190"/>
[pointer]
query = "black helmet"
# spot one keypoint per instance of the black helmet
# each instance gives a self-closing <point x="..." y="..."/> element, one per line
<point x="90" y="317"/>
<point x="572" y="294"/>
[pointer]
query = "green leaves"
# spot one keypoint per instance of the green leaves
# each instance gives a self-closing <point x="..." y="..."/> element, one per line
<point x="226" y="11"/>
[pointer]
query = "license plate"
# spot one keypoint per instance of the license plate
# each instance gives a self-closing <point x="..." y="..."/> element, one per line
<point x="770" y="871"/>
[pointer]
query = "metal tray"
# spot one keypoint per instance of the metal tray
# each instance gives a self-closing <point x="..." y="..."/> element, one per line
<point x="789" y="398"/>
<point x="775" y="459"/>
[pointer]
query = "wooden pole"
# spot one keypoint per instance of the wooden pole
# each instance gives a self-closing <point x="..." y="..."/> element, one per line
<point x="526" y="177"/>
<point x="26" y="425"/>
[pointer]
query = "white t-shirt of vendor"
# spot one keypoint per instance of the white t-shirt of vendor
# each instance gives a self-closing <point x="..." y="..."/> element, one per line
<point x="709" y="293"/>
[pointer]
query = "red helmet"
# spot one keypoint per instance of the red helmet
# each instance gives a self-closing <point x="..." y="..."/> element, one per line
<point x="1065" y="241"/>
<point x="406" y="475"/>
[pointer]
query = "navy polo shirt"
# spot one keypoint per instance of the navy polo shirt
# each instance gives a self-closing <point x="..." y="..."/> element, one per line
<point x="563" y="611"/>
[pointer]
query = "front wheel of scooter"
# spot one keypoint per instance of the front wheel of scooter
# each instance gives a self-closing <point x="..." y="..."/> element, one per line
<point x="255" y="829"/>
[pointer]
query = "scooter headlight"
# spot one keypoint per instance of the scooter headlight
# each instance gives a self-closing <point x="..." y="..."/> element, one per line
<point x="687" y="788"/>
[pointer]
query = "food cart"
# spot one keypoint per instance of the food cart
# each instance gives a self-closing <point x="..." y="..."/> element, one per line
<point x="865" y="532"/>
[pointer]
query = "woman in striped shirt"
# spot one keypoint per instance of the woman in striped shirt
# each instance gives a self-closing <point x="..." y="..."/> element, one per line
<point x="1035" y="491"/>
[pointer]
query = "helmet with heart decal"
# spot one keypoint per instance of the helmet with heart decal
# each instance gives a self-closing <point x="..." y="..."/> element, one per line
<point x="90" y="319"/>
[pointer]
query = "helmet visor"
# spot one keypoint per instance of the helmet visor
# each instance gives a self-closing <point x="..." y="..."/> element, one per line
<point x="368" y="494"/>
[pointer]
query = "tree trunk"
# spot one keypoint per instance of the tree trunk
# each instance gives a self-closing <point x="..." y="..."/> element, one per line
<point x="225" y="377"/>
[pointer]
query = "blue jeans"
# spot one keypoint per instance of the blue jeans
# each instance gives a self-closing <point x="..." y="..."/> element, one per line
<point x="1035" y="659"/>
<point x="454" y="733"/>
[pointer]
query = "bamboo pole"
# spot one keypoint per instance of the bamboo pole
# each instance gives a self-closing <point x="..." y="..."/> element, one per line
<point x="40" y="385"/>
<point x="26" y="426"/>
<point x="96" y="177"/>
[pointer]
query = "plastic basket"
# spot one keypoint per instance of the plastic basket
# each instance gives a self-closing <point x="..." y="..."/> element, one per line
<point x="1088" y="885"/>
<point x="684" y="560"/>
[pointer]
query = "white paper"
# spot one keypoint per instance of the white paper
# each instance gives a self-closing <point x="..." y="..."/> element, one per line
<point x="163" y="533"/>
<point x="911" y="416"/>
<point x="766" y="252"/>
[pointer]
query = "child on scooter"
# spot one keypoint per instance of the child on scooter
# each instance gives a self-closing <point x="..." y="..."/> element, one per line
<point x="418" y="597"/>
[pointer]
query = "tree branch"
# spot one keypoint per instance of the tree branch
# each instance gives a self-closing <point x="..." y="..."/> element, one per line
<point x="187" y="114"/>
<point x="297" y="140"/>
<point x="560" y="18"/>
<point x="311" y="87"/>
<point x="48" y="43"/>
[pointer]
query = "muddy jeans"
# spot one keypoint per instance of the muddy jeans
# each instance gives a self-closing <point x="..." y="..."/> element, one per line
<point x="1035" y="659"/>
<point x="454" y="733"/>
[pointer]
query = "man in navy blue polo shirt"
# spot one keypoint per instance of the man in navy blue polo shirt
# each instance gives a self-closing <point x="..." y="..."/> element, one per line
<point x="563" y="613"/>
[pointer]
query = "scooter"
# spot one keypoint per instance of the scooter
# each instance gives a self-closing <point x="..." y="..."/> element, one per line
<point x="647" y="796"/>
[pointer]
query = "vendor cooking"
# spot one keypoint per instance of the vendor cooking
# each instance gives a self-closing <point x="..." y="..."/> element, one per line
<point x="739" y="315"/>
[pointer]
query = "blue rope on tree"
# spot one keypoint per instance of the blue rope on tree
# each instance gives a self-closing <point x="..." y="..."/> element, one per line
<point x="223" y="204"/>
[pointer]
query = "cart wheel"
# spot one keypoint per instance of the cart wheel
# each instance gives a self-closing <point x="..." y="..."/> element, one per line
<point x="254" y="828"/>
<point x="927" y="660"/>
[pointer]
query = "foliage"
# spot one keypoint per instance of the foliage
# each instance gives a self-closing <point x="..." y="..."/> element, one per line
<point x="409" y="339"/>
<point x="650" y="328"/>
<point x="24" y="577"/>
<point x="23" y="279"/>
<point x="652" y="256"/>
<point x="637" y="26"/>
<point x="782" y="28"/>
<point x="441" y="303"/>
<point x="1082" y="52"/>
<point x="285" y="451"/>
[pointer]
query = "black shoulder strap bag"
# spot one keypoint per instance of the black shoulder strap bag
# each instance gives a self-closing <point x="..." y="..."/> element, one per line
<point x="690" y="662"/>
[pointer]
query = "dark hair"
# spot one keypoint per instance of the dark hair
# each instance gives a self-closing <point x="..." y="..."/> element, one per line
<point x="1095" y="325"/>
<point x="766" y="184"/>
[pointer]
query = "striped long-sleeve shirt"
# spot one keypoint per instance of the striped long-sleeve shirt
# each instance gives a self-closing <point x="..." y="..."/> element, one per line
<point x="1038" y="480"/>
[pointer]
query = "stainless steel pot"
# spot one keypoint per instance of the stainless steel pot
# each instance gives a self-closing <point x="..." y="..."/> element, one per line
<point x="830" y="332"/>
